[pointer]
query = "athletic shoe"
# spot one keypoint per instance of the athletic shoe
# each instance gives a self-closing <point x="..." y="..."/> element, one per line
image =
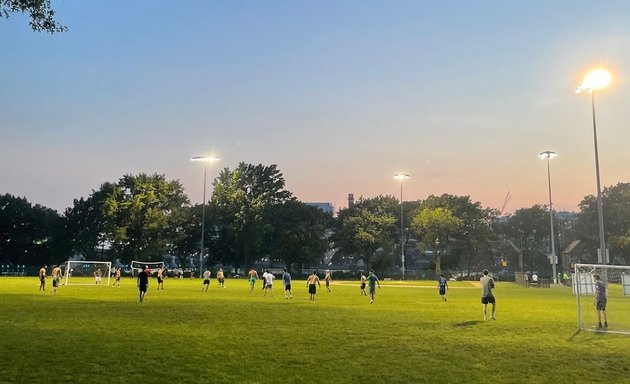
<point x="606" y="324"/>
<point x="371" y="301"/>
<point x="599" y="325"/>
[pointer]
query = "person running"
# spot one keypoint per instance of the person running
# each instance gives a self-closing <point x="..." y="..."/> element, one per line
<point x="117" y="277"/>
<point x="600" y="301"/>
<point x="328" y="279"/>
<point x="363" y="280"/>
<point x="442" y="287"/>
<point x="206" y="280"/>
<point x="268" y="277"/>
<point x="372" y="282"/>
<point x="221" y="278"/>
<point x="160" y="279"/>
<point x="310" y="283"/>
<point x="143" y="283"/>
<point x="286" y="281"/>
<point x="56" y="276"/>
<point x="253" y="276"/>
<point x="487" y="297"/>
<point x="98" y="276"/>
<point x="42" y="278"/>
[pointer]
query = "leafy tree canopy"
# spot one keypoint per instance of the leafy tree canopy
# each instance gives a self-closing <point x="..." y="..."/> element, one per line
<point x="40" y="11"/>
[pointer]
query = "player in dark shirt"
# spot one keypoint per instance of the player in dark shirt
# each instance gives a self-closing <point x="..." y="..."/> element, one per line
<point x="143" y="283"/>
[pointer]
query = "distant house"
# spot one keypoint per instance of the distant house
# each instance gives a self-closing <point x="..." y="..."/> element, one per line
<point x="326" y="207"/>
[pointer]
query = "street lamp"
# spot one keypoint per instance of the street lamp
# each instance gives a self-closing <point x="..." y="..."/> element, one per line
<point x="402" y="177"/>
<point x="205" y="160"/>
<point x="596" y="80"/>
<point x="550" y="155"/>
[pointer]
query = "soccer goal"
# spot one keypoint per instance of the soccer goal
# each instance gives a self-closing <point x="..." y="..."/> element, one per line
<point x="137" y="266"/>
<point x="616" y="279"/>
<point x="85" y="272"/>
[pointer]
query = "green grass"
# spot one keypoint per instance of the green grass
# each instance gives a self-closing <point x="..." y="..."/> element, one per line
<point x="89" y="334"/>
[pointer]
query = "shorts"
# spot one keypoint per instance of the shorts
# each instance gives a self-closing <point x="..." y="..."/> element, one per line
<point x="55" y="283"/>
<point x="160" y="280"/>
<point x="312" y="289"/>
<point x="252" y="280"/>
<point x="221" y="280"/>
<point x="268" y="286"/>
<point x="600" y="305"/>
<point x="206" y="282"/>
<point x="372" y="289"/>
<point x="362" y="285"/>
<point x="142" y="287"/>
<point x="98" y="279"/>
<point x="287" y="287"/>
<point x="327" y="283"/>
<point x="487" y="300"/>
<point x="442" y="291"/>
<point x="42" y="279"/>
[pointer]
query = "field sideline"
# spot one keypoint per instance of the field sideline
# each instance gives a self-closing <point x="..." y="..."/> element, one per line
<point x="89" y="334"/>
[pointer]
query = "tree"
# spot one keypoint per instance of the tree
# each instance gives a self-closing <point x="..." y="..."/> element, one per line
<point x="40" y="11"/>
<point x="367" y="231"/>
<point x="239" y="202"/>
<point x="616" y="211"/>
<point x="528" y="228"/>
<point x="141" y="216"/>
<point x="434" y="228"/>
<point x="30" y="234"/>
<point x="296" y="233"/>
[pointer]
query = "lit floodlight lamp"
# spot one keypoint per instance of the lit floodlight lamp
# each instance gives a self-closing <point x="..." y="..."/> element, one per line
<point x="595" y="80"/>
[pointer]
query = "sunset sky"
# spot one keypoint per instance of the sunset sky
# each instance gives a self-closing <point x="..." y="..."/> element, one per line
<point x="461" y="95"/>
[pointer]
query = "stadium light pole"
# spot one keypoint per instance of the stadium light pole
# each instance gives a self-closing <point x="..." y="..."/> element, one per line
<point x="548" y="155"/>
<point x="400" y="176"/>
<point x="593" y="81"/>
<point x="205" y="160"/>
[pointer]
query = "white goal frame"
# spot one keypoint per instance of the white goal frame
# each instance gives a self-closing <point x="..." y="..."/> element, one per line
<point x="153" y="266"/>
<point x="584" y="286"/>
<point x="69" y="267"/>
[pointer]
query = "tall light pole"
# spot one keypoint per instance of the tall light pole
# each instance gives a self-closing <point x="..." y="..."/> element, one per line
<point x="595" y="80"/>
<point x="402" y="177"/>
<point x="550" y="155"/>
<point x="205" y="160"/>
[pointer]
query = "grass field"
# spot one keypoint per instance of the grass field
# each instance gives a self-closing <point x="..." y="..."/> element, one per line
<point x="89" y="334"/>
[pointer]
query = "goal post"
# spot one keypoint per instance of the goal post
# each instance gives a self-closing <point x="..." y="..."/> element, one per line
<point x="616" y="280"/>
<point x="83" y="272"/>
<point x="136" y="266"/>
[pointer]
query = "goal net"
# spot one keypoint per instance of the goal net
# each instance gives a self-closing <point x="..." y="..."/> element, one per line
<point x="137" y="266"/>
<point x="616" y="280"/>
<point x="86" y="272"/>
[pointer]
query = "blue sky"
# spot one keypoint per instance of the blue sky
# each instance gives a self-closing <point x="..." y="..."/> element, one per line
<point x="462" y="95"/>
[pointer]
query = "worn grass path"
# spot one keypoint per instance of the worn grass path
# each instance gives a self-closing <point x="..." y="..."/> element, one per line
<point x="89" y="334"/>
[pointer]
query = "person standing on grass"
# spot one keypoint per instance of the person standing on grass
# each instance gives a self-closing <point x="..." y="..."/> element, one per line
<point x="442" y="287"/>
<point x="143" y="283"/>
<point x="600" y="301"/>
<point x="117" y="277"/>
<point x="363" y="280"/>
<point x="253" y="276"/>
<point x="56" y="276"/>
<point x="372" y="281"/>
<point x="268" y="283"/>
<point x="286" y="281"/>
<point x="310" y="283"/>
<point x="42" y="278"/>
<point x="487" y="297"/>
<point x="160" y="278"/>
<point x="328" y="279"/>
<point x="221" y="278"/>
<point x="206" y="280"/>
<point x="97" y="276"/>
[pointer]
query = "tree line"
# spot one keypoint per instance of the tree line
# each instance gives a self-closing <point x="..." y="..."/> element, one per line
<point x="252" y="219"/>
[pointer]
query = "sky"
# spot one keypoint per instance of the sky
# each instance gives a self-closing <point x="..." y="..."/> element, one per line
<point x="461" y="95"/>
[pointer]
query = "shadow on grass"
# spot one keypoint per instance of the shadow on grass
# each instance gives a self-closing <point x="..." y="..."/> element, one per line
<point x="469" y="323"/>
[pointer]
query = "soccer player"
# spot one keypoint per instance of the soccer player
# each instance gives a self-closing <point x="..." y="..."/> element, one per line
<point x="206" y="280"/>
<point x="487" y="297"/>
<point x="253" y="276"/>
<point x="221" y="278"/>
<point x="42" y="278"/>
<point x="97" y="276"/>
<point x="442" y="287"/>
<point x="328" y="279"/>
<point x="56" y="276"/>
<point x="363" y="280"/>
<point x="143" y="283"/>
<point x="372" y="281"/>
<point x="310" y="283"/>
<point x="286" y="280"/>
<point x="160" y="278"/>
<point x="117" y="277"/>
<point x="268" y="277"/>
<point x="600" y="301"/>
